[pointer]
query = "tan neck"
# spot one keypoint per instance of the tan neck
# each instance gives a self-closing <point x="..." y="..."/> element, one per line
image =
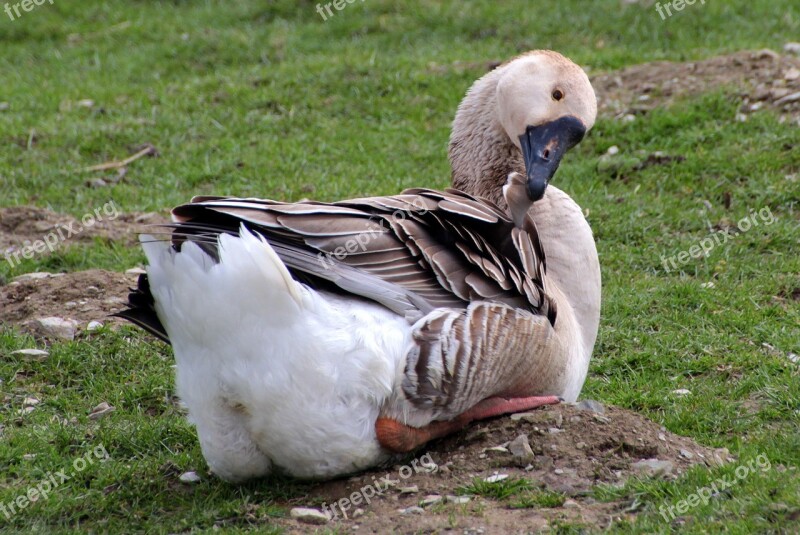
<point x="481" y="154"/>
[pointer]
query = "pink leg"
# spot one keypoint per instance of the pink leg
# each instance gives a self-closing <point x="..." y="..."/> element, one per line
<point x="402" y="438"/>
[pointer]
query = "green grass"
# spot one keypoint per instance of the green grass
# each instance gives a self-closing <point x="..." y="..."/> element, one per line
<point x="245" y="98"/>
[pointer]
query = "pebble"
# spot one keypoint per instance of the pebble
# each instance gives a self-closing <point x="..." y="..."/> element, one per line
<point x="86" y="103"/>
<point x="189" y="477"/>
<point x="554" y="430"/>
<point x="458" y="500"/>
<point x="792" y="48"/>
<point x="413" y="510"/>
<point x="101" y="410"/>
<point x="57" y="327"/>
<point x="580" y="445"/>
<point x="32" y="354"/>
<point x="306" y="514"/>
<point x="495" y="478"/>
<point x="430" y="499"/>
<point x="792" y="74"/>
<point x="558" y="471"/>
<point x="793" y="97"/>
<point x="496" y="449"/>
<point x="94" y="325"/>
<point x="681" y="392"/>
<point x="612" y="150"/>
<point x="4" y="106"/>
<point x="520" y="448"/>
<point x="135" y="271"/>
<point x="686" y="453"/>
<point x="413" y="489"/>
<point x="530" y="417"/>
<point x="570" y="504"/>
<point x="654" y="467"/>
<point x="590" y="405"/>
<point x="30" y="402"/>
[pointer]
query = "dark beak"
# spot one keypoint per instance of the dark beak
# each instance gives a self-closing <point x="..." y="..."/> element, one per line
<point x="543" y="146"/>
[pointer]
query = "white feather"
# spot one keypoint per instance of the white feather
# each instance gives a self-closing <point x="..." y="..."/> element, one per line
<point x="273" y="372"/>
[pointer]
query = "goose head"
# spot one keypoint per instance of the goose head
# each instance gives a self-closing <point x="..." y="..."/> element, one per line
<point x="522" y="117"/>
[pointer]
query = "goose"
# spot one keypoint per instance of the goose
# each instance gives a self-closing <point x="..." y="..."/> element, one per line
<point x="320" y="339"/>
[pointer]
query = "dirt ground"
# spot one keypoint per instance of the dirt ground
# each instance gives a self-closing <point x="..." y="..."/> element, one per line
<point x="573" y="450"/>
<point x="763" y="79"/>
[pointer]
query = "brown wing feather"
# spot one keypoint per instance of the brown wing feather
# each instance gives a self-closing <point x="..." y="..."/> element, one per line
<point x="449" y="247"/>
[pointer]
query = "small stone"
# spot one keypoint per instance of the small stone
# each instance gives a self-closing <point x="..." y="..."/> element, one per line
<point x="86" y="103"/>
<point x="94" y="325"/>
<point x="30" y="402"/>
<point x="558" y="471"/>
<point x="741" y="118"/>
<point x="189" y="477"/>
<point x="580" y="445"/>
<point x="590" y="405"/>
<point x="687" y="454"/>
<point x="600" y="418"/>
<point x="766" y="53"/>
<point x="135" y="271"/>
<point x="662" y="437"/>
<point x="96" y="183"/>
<point x="57" y="327"/>
<point x="628" y="118"/>
<point x="558" y="419"/>
<point x="570" y="504"/>
<point x="496" y="449"/>
<point x="682" y="392"/>
<point x="495" y="478"/>
<point x="792" y="48"/>
<point x="32" y="354"/>
<point x="793" y="97"/>
<point x="413" y="510"/>
<point x="430" y="499"/>
<point x="554" y="430"/>
<point x="653" y="467"/>
<point x="520" y="448"/>
<point x="29" y="456"/>
<point x="792" y="74"/>
<point x="458" y="500"/>
<point x="4" y="106"/>
<point x="531" y="417"/>
<point x="529" y="468"/>
<point x="612" y="150"/>
<point x="305" y="514"/>
<point x="101" y="410"/>
<point x="358" y="512"/>
<point x="413" y="489"/>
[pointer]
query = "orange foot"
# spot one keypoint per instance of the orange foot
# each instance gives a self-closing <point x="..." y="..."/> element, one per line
<point x="402" y="438"/>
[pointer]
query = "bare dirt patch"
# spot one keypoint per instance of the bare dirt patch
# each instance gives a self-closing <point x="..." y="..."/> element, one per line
<point x="574" y="450"/>
<point x="763" y="79"/>
<point x="81" y="297"/>
<point x="21" y="225"/>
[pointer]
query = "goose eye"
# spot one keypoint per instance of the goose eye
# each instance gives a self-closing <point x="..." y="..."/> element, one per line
<point x="558" y="94"/>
